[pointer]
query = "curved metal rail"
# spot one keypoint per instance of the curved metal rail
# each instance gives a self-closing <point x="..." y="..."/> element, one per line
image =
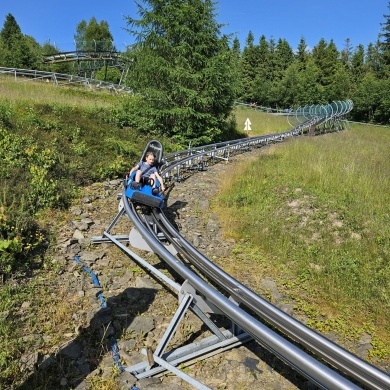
<point x="85" y="55"/>
<point x="175" y="166"/>
<point x="308" y="366"/>
<point x="325" y="113"/>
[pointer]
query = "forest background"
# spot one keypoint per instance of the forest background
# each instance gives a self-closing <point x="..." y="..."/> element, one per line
<point x="269" y="72"/>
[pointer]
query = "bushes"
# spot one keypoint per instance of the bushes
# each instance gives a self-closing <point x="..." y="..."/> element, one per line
<point x="26" y="188"/>
<point x="51" y="149"/>
<point x="20" y="236"/>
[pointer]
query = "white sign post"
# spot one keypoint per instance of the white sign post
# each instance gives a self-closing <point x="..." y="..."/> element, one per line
<point x="247" y="125"/>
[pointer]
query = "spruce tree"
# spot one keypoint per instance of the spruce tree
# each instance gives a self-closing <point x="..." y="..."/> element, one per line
<point x="346" y="53"/>
<point x="384" y="43"/>
<point x="11" y="31"/>
<point x="310" y="91"/>
<point x="19" y="51"/>
<point x="262" y="84"/>
<point x="93" y="36"/>
<point x="250" y="61"/>
<point x="284" y="57"/>
<point x="302" y="53"/>
<point x="183" y="69"/>
<point x="326" y="57"/>
<point x="374" y="59"/>
<point x="358" y="66"/>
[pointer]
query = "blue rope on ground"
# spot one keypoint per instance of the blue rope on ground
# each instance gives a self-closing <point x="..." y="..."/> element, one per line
<point x="94" y="279"/>
<point x="115" y="354"/>
<point x="114" y="344"/>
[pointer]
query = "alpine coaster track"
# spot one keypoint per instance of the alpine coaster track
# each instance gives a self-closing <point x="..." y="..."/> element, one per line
<point x="207" y="289"/>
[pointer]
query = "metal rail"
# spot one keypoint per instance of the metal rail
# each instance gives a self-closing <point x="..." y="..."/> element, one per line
<point x="60" y="79"/>
<point x="175" y="167"/>
<point x="85" y="55"/>
<point x="308" y="366"/>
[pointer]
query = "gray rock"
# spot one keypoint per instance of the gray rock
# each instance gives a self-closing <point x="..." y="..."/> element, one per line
<point x="29" y="361"/>
<point x="141" y="325"/>
<point x="78" y="235"/>
<point x="133" y="294"/>
<point x="147" y="283"/>
<point x="88" y="221"/>
<point x="364" y="346"/>
<point x="149" y="383"/>
<point x="126" y="380"/>
<point x="286" y="307"/>
<point x="83" y="227"/>
<point x="73" y="350"/>
<point x="269" y="286"/>
<point x="89" y="257"/>
<point x="127" y="345"/>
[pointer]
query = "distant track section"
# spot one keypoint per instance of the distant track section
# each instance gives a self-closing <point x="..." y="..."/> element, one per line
<point x="61" y="79"/>
<point x="84" y="56"/>
<point x="328" y="114"/>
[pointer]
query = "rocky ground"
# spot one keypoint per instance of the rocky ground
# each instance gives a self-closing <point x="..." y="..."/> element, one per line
<point x="139" y="308"/>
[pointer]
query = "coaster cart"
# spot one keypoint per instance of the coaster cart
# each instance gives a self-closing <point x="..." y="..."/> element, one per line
<point x="145" y="194"/>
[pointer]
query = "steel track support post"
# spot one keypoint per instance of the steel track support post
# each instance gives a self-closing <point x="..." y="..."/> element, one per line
<point x="162" y="361"/>
<point x="104" y="238"/>
<point x="175" y="322"/>
<point x="181" y="374"/>
<point x="116" y="219"/>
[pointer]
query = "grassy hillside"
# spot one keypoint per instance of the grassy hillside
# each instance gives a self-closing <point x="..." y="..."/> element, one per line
<point x="262" y="122"/>
<point x="314" y="214"/>
<point x="28" y="90"/>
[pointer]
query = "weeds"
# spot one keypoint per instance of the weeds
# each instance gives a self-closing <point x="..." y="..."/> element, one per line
<point x="321" y="213"/>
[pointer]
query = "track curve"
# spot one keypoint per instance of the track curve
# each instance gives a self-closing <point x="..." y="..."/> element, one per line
<point x="220" y="288"/>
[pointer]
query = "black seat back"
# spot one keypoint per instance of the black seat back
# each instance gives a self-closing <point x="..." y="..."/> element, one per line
<point x="155" y="147"/>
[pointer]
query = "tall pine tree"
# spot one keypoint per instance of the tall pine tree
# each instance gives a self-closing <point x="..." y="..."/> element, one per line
<point x="384" y="44"/>
<point x="93" y="36"/>
<point x="11" y="32"/>
<point x="183" y="69"/>
<point x="18" y="50"/>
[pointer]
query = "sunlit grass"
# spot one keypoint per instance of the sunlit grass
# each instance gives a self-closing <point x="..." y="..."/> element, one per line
<point x="318" y="208"/>
<point x="262" y="122"/>
<point x="28" y="90"/>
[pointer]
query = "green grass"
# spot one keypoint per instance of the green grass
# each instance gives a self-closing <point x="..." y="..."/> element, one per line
<point x="318" y="206"/>
<point x="27" y="90"/>
<point x="11" y="299"/>
<point x="262" y="122"/>
<point x="314" y="214"/>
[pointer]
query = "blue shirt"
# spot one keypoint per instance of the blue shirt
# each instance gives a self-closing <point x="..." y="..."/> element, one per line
<point x="143" y="166"/>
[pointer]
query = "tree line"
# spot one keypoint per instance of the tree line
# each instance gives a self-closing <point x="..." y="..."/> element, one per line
<point x="190" y="75"/>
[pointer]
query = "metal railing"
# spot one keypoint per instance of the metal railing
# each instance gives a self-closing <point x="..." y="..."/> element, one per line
<point x="59" y="79"/>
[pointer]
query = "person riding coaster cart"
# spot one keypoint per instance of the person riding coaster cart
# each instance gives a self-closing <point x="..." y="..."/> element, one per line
<point x="143" y="183"/>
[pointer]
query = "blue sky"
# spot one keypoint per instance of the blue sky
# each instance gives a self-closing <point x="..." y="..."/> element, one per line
<point x="358" y="20"/>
